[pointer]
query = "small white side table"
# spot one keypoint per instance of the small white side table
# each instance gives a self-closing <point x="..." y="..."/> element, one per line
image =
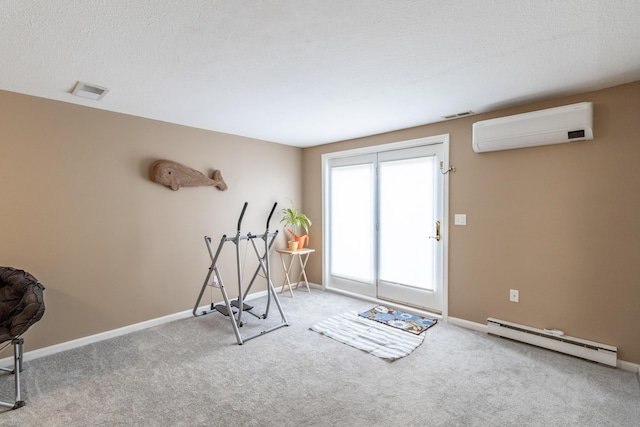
<point x="303" y="257"/>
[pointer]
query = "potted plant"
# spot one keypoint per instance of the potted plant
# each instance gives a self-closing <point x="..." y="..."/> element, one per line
<point x="298" y="221"/>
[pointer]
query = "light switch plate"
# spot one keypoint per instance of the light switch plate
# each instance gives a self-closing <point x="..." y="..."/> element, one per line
<point x="460" y="219"/>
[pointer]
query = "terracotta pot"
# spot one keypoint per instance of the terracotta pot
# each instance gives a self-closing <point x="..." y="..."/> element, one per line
<point x="301" y="240"/>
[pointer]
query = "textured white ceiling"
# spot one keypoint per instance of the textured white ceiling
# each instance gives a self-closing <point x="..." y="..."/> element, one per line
<point x="307" y="72"/>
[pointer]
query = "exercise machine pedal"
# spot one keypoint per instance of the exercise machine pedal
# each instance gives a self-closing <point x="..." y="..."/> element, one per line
<point x="223" y="309"/>
<point x="245" y="307"/>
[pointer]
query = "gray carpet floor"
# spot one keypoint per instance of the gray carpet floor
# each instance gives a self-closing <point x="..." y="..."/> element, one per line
<point x="191" y="372"/>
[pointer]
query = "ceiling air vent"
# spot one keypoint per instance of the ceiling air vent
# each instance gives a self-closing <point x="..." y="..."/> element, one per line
<point x="89" y="91"/>
<point x="456" y="116"/>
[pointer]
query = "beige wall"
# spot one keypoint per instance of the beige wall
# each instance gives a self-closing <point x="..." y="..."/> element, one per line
<point x="558" y="223"/>
<point x="111" y="247"/>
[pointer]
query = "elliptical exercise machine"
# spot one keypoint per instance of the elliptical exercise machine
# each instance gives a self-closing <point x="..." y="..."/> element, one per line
<point x="235" y="308"/>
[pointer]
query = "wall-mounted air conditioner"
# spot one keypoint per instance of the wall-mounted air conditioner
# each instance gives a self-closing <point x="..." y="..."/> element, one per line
<point x="551" y="126"/>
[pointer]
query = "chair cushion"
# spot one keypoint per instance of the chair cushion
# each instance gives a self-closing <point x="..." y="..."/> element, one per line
<point x="21" y="302"/>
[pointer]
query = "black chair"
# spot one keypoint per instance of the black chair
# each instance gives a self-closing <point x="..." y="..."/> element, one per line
<point x="21" y="305"/>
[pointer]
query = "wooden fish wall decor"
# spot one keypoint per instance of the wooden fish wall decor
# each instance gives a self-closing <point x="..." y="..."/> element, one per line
<point x="174" y="175"/>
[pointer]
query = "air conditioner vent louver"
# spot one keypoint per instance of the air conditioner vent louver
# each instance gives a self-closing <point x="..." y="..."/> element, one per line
<point x="551" y="126"/>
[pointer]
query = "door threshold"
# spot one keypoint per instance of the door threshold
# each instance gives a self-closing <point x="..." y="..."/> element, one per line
<point x="388" y="303"/>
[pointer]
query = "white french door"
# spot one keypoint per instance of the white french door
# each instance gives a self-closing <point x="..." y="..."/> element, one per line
<point x="410" y="239"/>
<point x="385" y="223"/>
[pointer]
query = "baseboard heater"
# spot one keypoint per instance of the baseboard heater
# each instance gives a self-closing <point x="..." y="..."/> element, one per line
<point x="596" y="352"/>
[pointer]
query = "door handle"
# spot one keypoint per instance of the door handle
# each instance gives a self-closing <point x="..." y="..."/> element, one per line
<point x="437" y="236"/>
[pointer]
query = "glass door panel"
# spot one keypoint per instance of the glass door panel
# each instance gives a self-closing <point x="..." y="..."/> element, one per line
<point x="406" y="205"/>
<point x="352" y="226"/>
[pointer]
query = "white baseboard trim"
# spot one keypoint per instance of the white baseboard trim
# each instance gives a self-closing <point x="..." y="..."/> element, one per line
<point x="467" y="324"/>
<point x="628" y="366"/>
<point x="91" y="339"/>
<point x="620" y="364"/>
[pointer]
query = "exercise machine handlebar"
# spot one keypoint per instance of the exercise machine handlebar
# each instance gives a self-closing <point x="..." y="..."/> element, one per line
<point x="244" y="208"/>
<point x="273" y="209"/>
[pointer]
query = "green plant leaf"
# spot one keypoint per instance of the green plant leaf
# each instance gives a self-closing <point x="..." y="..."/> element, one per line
<point x="295" y="219"/>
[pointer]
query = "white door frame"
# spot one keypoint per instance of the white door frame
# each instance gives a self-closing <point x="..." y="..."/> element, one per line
<point x="444" y="139"/>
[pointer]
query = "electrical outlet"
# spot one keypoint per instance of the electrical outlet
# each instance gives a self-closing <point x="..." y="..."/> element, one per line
<point x="460" y="219"/>
<point x="514" y="295"/>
